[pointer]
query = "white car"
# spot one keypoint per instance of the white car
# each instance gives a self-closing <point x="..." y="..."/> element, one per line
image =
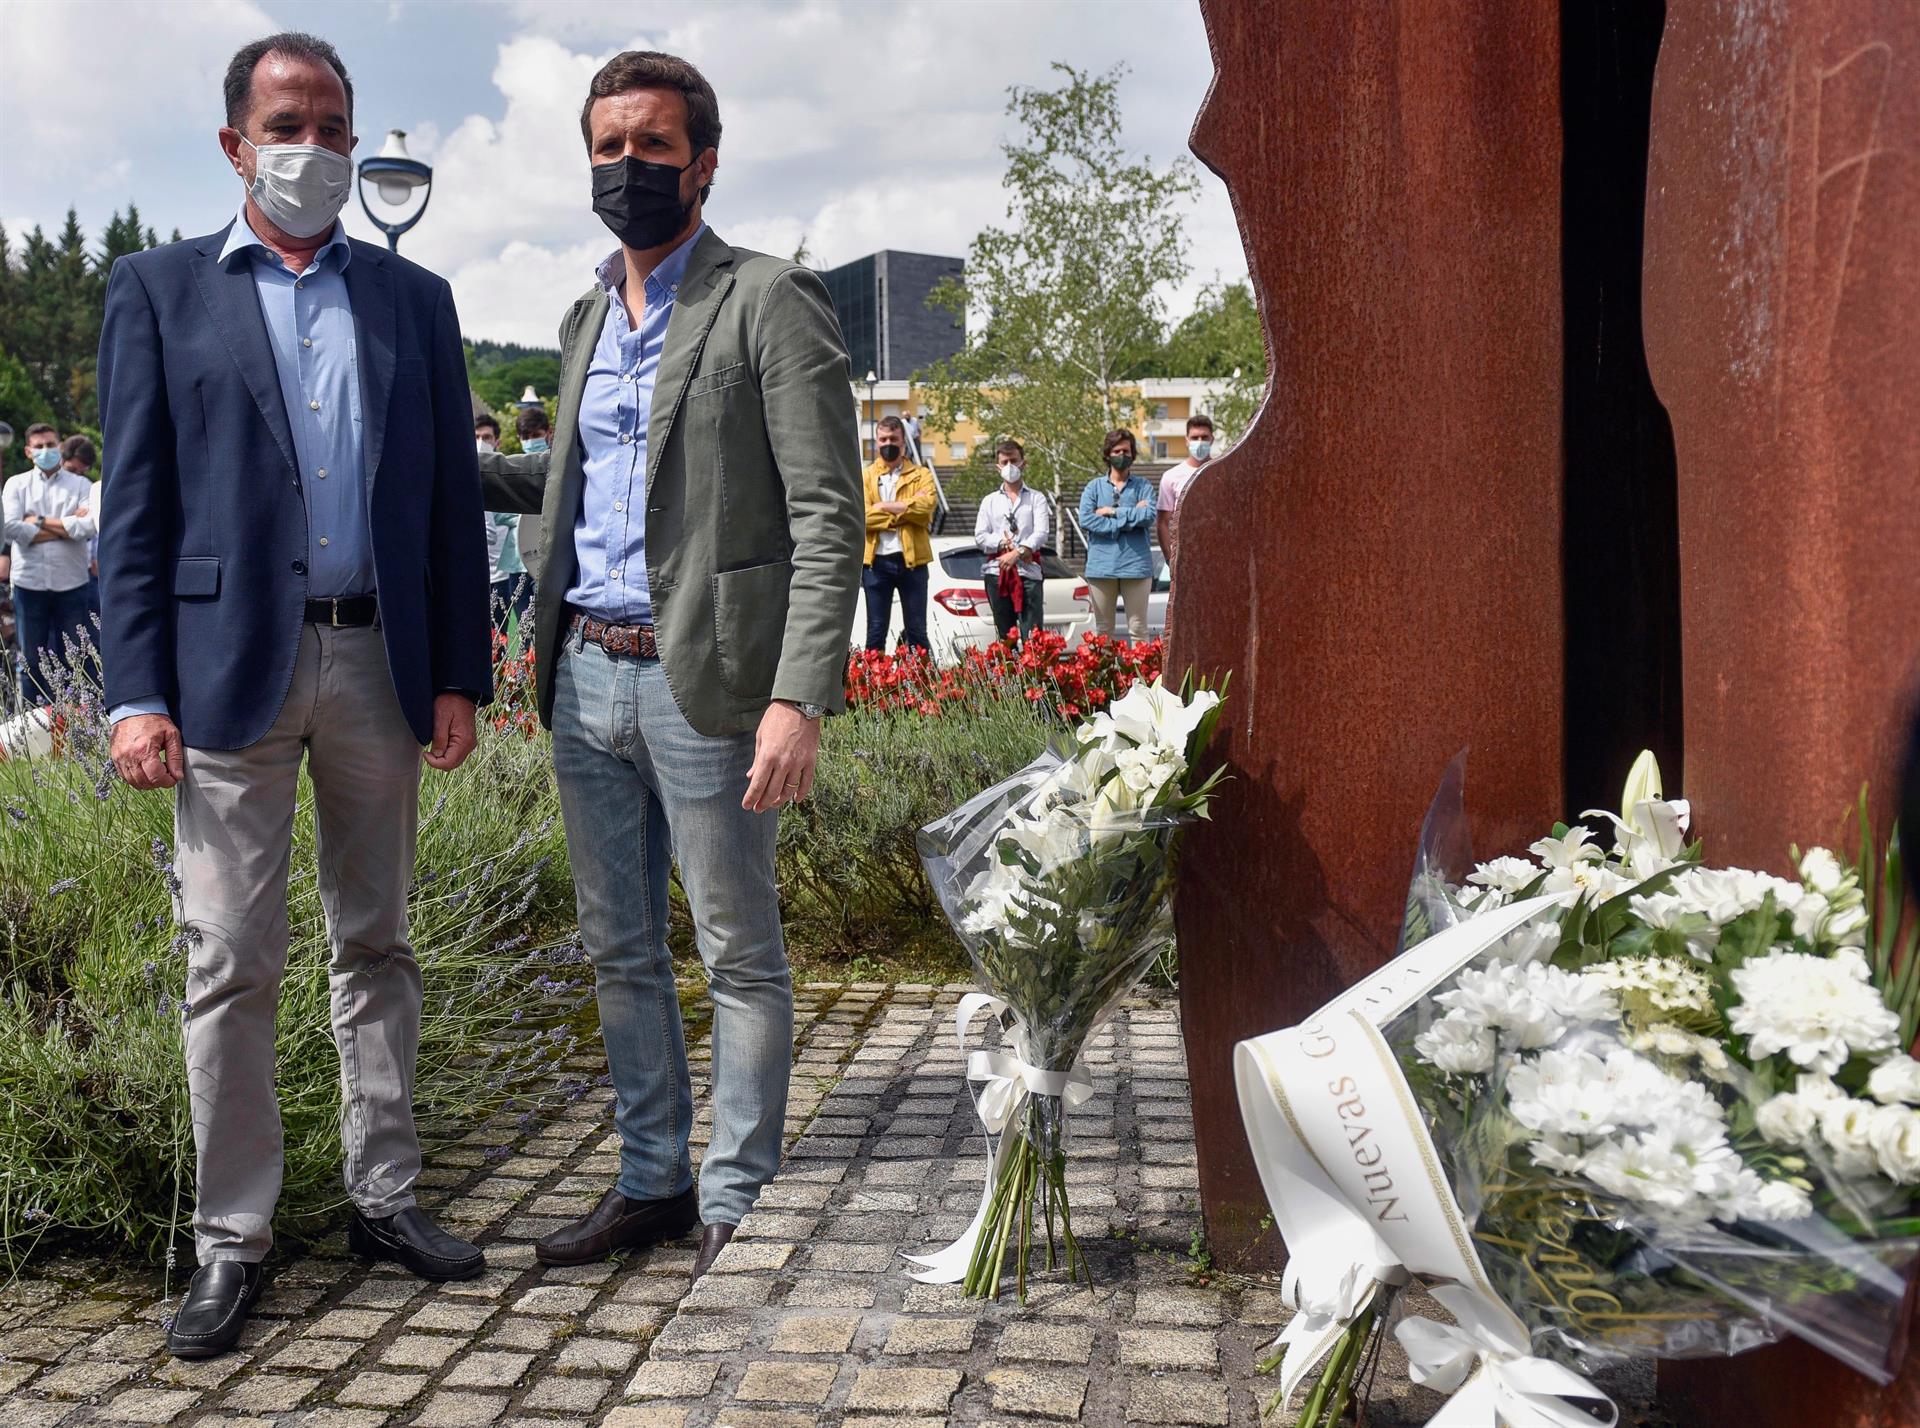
<point x="958" y="615"/>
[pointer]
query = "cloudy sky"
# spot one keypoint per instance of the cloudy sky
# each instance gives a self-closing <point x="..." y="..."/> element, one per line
<point x="862" y="124"/>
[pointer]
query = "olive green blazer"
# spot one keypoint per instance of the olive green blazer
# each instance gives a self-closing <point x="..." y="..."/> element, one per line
<point x="755" y="515"/>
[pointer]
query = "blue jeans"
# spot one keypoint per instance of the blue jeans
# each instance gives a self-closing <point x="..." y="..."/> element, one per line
<point x="638" y="787"/>
<point x="45" y="620"/>
<point x="887" y="574"/>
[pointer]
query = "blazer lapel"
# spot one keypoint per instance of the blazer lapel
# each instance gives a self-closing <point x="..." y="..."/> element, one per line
<point x="235" y="308"/>
<point x="370" y="290"/>
<point x="705" y="287"/>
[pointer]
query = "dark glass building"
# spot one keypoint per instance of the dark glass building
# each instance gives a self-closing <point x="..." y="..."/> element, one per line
<point x="881" y="301"/>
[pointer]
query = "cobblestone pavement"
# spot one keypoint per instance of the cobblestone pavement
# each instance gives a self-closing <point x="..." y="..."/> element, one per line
<point x="808" y="1318"/>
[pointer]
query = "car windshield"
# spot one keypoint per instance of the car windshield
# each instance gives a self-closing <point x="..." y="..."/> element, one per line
<point x="969" y="563"/>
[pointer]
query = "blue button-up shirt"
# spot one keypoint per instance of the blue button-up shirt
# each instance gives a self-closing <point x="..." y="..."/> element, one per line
<point x="1120" y="546"/>
<point x="310" y="324"/>
<point x="610" y="533"/>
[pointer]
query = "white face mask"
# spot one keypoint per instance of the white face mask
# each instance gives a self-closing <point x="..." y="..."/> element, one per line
<point x="300" y="187"/>
<point x="1012" y="475"/>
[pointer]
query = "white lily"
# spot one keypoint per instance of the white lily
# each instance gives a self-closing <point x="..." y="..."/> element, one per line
<point x="1650" y="830"/>
<point x="1150" y="714"/>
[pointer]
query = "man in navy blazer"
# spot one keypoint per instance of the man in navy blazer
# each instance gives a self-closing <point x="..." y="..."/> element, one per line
<point x="293" y="566"/>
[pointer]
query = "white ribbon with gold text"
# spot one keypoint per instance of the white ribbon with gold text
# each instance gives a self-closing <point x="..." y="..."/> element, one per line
<point x="1006" y="1080"/>
<point x="1356" y="1186"/>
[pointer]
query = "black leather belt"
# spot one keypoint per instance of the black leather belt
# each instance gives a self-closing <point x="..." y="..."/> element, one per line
<point x="635" y="640"/>
<point x="349" y="610"/>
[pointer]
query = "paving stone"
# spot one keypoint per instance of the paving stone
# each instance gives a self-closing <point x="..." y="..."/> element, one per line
<point x="488" y="1370"/>
<point x="322" y="1354"/>
<point x="1167" y="1349"/>
<point x="554" y="1299"/>
<point x="931" y="1336"/>
<point x="83" y="1380"/>
<point x="148" y="1405"/>
<point x="1046" y="1343"/>
<point x="702" y="1334"/>
<point x="824" y="1292"/>
<point x="1177" y="1398"/>
<point x="911" y="1390"/>
<point x="751" y="1256"/>
<point x="729" y="1291"/>
<point x="815" y="1333"/>
<point x="597" y="1356"/>
<point x="1037" y="1392"/>
<point x="573" y="1396"/>
<point x="530" y="1335"/>
<point x="381" y="1390"/>
<point x="853" y="1259"/>
<point x="646" y="1415"/>
<point x="635" y="1321"/>
<point x="786" y="1382"/>
<point x="1164" y="1305"/>
<point x="269" y="1393"/>
<point x="459" y="1410"/>
<point x="673" y="1380"/>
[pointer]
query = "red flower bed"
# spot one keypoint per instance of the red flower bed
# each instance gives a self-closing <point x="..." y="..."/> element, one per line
<point x="1040" y="670"/>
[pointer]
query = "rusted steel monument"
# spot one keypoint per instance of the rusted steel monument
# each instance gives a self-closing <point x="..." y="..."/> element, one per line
<point x="1594" y="423"/>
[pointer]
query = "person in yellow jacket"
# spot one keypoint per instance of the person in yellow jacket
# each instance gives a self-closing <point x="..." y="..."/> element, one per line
<point x="900" y="503"/>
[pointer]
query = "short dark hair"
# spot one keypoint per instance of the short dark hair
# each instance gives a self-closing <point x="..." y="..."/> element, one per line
<point x="35" y="430"/>
<point x="486" y="419"/>
<point x="650" y="69"/>
<point x="78" y="448"/>
<point x="531" y="420"/>
<point x="1200" y="419"/>
<point x="1010" y="447"/>
<point x="295" y="44"/>
<point x="891" y="423"/>
<point x="1115" y="437"/>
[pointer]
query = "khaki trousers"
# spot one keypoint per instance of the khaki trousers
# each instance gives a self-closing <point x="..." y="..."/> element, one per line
<point x="233" y="835"/>
<point x="1107" y="595"/>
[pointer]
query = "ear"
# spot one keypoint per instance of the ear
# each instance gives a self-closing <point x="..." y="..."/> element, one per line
<point x="704" y="166"/>
<point x="230" y="145"/>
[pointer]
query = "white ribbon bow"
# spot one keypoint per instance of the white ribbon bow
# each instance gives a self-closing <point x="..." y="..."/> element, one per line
<point x="1495" y="1380"/>
<point x="1006" y="1081"/>
<point x="1318" y="1323"/>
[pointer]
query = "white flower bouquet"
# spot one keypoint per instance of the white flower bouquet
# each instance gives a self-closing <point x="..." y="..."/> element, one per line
<point x="1059" y="881"/>
<point x="1672" y="1106"/>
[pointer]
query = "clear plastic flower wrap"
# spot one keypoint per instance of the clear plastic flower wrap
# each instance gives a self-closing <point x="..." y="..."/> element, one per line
<point x="1674" y="1105"/>
<point x="1059" y="881"/>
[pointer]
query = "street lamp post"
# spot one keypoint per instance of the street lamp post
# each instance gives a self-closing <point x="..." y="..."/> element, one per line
<point x="396" y="174"/>
<point x="873" y="420"/>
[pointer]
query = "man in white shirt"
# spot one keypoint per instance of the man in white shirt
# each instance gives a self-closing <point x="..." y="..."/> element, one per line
<point x="48" y="524"/>
<point x="1012" y="526"/>
<point x="1173" y="485"/>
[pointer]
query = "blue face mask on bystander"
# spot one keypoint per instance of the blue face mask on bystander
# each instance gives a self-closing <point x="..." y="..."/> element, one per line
<point x="47" y="458"/>
<point x="534" y="443"/>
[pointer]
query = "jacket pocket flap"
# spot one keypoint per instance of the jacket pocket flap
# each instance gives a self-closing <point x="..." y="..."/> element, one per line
<point x="197" y="575"/>
<point x="713" y="381"/>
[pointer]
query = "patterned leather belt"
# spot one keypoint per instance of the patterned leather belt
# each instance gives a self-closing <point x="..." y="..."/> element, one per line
<point x="635" y="640"/>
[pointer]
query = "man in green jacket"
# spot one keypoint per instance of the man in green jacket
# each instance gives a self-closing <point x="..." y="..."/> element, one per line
<point x="705" y="529"/>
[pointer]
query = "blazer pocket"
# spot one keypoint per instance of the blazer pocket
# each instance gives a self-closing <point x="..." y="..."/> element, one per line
<point x="715" y="381"/>
<point x="196" y="576"/>
<point x="749" y="623"/>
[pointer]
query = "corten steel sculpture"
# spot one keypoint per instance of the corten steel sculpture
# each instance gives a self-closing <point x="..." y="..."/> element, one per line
<point x="1782" y="308"/>
<point x="1378" y="559"/>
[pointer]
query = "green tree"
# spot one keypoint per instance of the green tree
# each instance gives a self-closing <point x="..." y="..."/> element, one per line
<point x="1222" y="337"/>
<point x="1069" y="293"/>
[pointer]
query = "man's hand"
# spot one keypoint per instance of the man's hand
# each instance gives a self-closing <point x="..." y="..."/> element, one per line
<point x="1141" y="504"/>
<point x="452" y="732"/>
<point x="785" y="750"/>
<point x="1009" y="557"/>
<point x="894" y="508"/>
<point x="1106" y="511"/>
<point x="146" y="749"/>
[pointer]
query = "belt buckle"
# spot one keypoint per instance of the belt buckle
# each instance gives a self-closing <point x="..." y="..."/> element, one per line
<point x="333" y="612"/>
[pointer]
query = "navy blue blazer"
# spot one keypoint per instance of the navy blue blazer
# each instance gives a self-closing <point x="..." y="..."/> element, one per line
<point x="203" y="542"/>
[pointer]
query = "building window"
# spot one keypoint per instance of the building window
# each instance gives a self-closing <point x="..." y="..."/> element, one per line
<point x="1159" y="448"/>
<point x="1159" y="411"/>
<point x="957" y="452"/>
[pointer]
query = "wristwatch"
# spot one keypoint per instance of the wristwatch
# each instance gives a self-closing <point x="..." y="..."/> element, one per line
<point x="808" y="711"/>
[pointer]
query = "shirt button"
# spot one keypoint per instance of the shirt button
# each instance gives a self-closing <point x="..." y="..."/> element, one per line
<point x="306" y="342"/>
<point x="321" y="473"/>
<point x="619" y="505"/>
<point x="323" y="540"/>
<point x="313" y="406"/>
<point x="298" y="286"/>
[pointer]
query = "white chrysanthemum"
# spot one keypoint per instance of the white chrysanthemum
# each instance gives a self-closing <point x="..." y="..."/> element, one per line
<point x="1818" y="1010"/>
<point x="1505" y="875"/>
<point x="1787" y="1119"/>
<point x="1751" y="1198"/>
<point x="1563" y="1093"/>
<point x="1670" y="912"/>
<point x="1457" y="1044"/>
<point x="1150" y="767"/>
<point x="1894" y="1133"/>
<point x="1895" y="1079"/>
<point x="1665" y="1039"/>
<point x="1647" y="1167"/>
<point x="1821" y="871"/>
<point x="1846" y="1125"/>
<point x="1722" y="894"/>
<point x="1558" y="1153"/>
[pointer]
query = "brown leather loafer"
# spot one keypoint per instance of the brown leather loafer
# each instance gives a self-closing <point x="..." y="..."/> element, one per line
<point x="714" y="1239"/>
<point x="619" y="1223"/>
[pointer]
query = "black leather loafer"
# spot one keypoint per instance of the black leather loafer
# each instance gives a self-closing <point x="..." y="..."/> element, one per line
<point x="619" y="1223"/>
<point x="215" y="1309"/>
<point x="414" y="1242"/>
<point x="712" y="1240"/>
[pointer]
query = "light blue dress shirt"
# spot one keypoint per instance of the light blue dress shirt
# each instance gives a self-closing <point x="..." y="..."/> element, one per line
<point x="310" y="324"/>
<point x="1120" y="546"/>
<point x="610" y="533"/>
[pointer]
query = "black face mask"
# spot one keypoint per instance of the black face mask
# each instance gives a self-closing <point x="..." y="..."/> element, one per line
<point x="639" y="201"/>
<point x="1120" y="460"/>
<point x="889" y="451"/>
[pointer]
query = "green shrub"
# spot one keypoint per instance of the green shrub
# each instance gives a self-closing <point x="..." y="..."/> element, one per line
<point x="94" y="1129"/>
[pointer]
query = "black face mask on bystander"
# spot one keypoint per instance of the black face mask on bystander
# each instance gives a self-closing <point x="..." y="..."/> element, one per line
<point x="640" y="201"/>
